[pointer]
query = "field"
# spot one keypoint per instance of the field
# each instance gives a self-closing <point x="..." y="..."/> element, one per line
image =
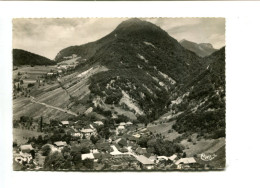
<point x="165" y="129"/>
<point x="29" y="72"/>
<point x="53" y="100"/>
<point x="202" y="146"/>
<point x="21" y="135"/>
<point x="219" y="162"/>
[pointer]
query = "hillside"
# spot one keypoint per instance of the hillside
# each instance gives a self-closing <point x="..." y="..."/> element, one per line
<point x="22" y="57"/>
<point x="144" y="65"/>
<point x="202" y="100"/>
<point x="202" y="49"/>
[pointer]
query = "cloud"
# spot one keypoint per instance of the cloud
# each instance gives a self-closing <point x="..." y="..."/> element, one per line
<point x="48" y="36"/>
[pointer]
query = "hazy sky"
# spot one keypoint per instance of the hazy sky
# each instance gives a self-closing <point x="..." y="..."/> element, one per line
<point x="47" y="37"/>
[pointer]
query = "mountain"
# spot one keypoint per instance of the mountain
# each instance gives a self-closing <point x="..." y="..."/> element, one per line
<point x="138" y="72"/>
<point x="202" y="100"/>
<point x="143" y="66"/>
<point x="202" y="49"/>
<point x="22" y="57"/>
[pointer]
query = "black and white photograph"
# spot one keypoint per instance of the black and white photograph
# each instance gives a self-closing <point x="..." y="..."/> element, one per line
<point x="119" y="94"/>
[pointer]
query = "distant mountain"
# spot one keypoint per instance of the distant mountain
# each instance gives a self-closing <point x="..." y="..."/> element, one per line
<point x="202" y="49"/>
<point x="22" y="57"/>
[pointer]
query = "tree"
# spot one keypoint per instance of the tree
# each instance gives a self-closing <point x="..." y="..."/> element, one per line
<point x="88" y="163"/>
<point x="54" y="161"/>
<point x="84" y="149"/>
<point x="94" y="139"/>
<point x="46" y="149"/>
<point x="41" y="124"/>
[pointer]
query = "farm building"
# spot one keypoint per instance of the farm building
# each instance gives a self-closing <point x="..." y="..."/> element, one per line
<point x="185" y="162"/>
<point x="65" y="123"/>
<point x="26" y="148"/>
<point x="60" y="144"/>
<point x="145" y="161"/>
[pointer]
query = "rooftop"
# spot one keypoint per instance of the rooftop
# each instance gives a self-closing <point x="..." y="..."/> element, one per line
<point x="186" y="161"/>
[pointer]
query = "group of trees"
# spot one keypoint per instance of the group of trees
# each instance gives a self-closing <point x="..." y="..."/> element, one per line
<point x="67" y="159"/>
<point x="159" y="146"/>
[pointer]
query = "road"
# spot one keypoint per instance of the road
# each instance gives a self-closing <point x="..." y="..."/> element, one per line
<point x="53" y="107"/>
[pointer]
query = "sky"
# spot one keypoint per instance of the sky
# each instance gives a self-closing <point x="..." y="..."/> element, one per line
<point x="47" y="36"/>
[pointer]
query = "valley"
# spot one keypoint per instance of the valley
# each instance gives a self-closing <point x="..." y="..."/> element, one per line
<point x="135" y="99"/>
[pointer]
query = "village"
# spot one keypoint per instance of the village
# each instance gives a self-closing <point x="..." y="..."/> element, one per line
<point x="80" y="146"/>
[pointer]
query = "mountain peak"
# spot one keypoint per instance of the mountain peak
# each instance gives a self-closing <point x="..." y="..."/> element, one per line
<point x="135" y="25"/>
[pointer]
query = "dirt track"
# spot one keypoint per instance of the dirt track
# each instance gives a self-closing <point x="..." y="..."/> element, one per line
<point x="53" y="107"/>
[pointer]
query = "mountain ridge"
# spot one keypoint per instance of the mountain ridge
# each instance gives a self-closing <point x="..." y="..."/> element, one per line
<point x="23" y="57"/>
<point x="201" y="49"/>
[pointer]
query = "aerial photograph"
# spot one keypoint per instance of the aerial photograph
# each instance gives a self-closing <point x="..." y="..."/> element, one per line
<point x="119" y="94"/>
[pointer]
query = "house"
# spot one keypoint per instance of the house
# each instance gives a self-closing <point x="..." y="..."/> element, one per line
<point x="87" y="132"/>
<point x="173" y="157"/>
<point x="162" y="158"/>
<point x="129" y="123"/>
<point x="153" y="158"/>
<point x="65" y="123"/>
<point x="147" y="154"/>
<point x="99" y="123"/>
<point x="185" y="162"/>
<point x="141" y="151"/>
<point x="87" y="156"/>
<point x="122" y="124"/>
<point x="145" y="161"/>
<point x="77" y="134"/>
<point x="60" y="144"/>
<point x="26" y="148"/>
<point x="137" y="136"/>
<point x="121" y="127"/>
<point x="50" y="74"/>
<point x="94" y="151"/>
